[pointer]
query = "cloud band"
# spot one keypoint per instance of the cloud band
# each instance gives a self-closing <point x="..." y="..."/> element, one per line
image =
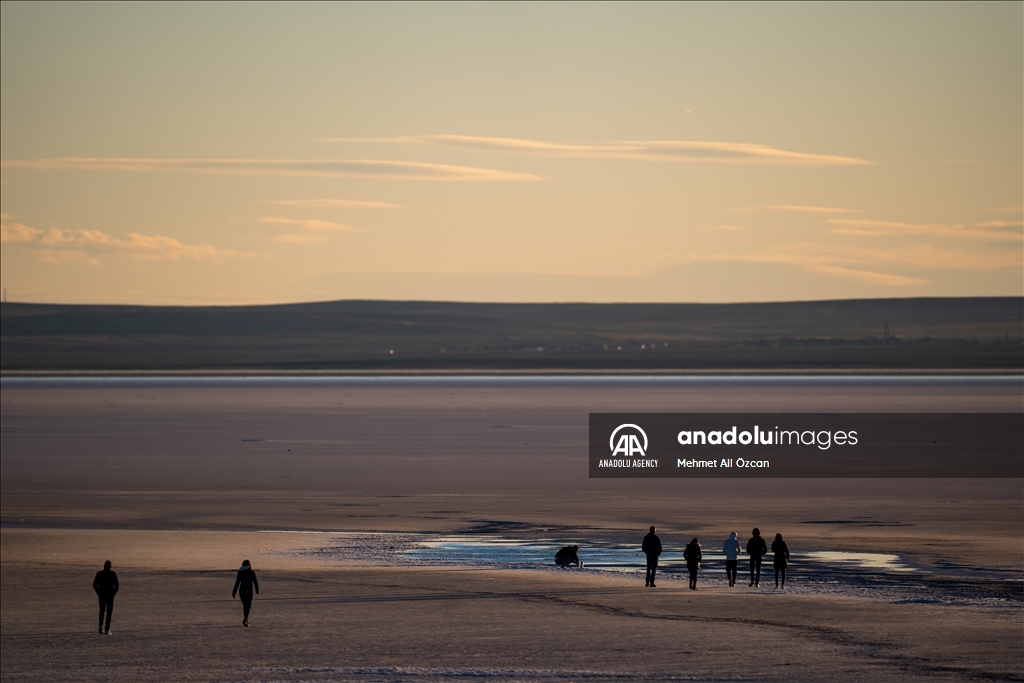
<point x="642" y="150"/>
<point x="323" y="168"/>
<point x="57" y="241"/>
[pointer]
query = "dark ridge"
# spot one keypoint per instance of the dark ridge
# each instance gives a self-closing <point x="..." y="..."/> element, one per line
<point x="889" y="334"/>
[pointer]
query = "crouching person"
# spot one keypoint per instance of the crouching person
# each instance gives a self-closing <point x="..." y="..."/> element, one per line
<point x="568" y="555"/>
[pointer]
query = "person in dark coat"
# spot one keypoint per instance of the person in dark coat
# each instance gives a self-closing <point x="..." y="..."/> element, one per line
<point x="756" y="548"/>
<point x="106" y="586"/>
<point x="652" y="549"/>
<point x="245" y="582"/>
<point x="781" y="559"/>
<point x="693" y="556"/>
<point x="568" y="555"/>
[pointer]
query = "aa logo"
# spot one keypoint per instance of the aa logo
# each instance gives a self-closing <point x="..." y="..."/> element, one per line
<point x="628" y="442"/>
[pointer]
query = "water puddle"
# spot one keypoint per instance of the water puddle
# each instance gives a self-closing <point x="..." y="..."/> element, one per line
<point x="882" y="576"/>
<point x="869" y="561"/>
<point x="516" y="553"/>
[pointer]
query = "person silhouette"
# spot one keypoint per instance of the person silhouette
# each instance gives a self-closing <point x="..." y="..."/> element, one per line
<point x="245" y="582"/>
<point x="568" y="555"/>
<point x="693" y="556"/>
<point x="731" y="549"/>
<point x="652" y="548"/>
<point x="781" y="551"/>
<point x="756" y="548"/>
<point x="106" y="586"/>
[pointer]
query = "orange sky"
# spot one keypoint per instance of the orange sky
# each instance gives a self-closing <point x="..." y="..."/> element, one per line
<point x="561" y="152"/>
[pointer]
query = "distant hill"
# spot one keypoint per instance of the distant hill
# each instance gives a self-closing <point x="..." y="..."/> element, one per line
<point x="864" y="334"/>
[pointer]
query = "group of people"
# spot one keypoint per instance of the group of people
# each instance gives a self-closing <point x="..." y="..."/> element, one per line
<point x="106" y="586"/>
<point x="756" y="548"/>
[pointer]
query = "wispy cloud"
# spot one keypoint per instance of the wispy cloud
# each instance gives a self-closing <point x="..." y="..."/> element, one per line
<point x="928" y="256"/>
<point x="989" y="231"/>
<point x="728" y="227"/>
<point x="822" y="263"/>
<point x="64" y="245"/>
<point x="11" y="231"/>
<point x="797" y="208"/>
<point x="332" y="204"/>
<point x="870" y="265"/>
<point x="643" y="150"/>
<point x="322" y="168"/>
<point x="307" y="224"/>
<point x="1019" y="210"/>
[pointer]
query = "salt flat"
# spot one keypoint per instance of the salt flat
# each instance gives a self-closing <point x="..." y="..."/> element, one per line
<point x="177" y="482"/>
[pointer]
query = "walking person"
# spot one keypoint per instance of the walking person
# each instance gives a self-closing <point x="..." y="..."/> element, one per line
<point x="781" y="551"/>
<point x="652" y="548"/>
<point x="731" y="549"/>
<point x="245" y="582"/>
<point x="756" y="548"/>
<point x="106" y="586"/>
<point x="693" y="556"/>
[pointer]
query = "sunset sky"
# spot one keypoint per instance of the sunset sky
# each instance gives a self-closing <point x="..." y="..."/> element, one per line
<point x="232" y="153"/>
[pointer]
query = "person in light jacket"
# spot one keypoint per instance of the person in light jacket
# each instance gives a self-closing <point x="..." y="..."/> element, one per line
<point x="731" y="549"/>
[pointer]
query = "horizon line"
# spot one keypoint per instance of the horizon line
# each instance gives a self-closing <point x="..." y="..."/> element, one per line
<point x="516" y="303"/>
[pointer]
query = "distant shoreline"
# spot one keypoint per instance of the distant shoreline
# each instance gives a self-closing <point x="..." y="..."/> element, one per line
<point x="937" y="336"/>
<point x="565" y="372"/>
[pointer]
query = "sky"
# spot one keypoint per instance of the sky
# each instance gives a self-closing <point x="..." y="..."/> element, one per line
<point x="269" y="153"/>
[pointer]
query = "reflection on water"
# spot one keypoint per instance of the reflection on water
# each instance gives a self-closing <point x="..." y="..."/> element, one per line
<point x="877" y="575"/>
<point x="875" y="561"/>
<point x="519" y="553"/>
<point x="511" y="552"/>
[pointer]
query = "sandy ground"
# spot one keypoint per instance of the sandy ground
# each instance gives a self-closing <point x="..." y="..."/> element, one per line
<point x="176" y="484"/>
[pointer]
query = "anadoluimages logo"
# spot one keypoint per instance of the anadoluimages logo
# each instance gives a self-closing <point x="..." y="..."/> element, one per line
<point x="628" y="444"/>
<point x="766" y="445"/>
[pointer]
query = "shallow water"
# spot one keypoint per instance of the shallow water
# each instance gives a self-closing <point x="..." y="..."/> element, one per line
<point x="427" y="380"/>
<point x="526" y="554"/>
<point x="518" y="553"/>
<point x="882" y="576"/>
<point x="872" y="561"/>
